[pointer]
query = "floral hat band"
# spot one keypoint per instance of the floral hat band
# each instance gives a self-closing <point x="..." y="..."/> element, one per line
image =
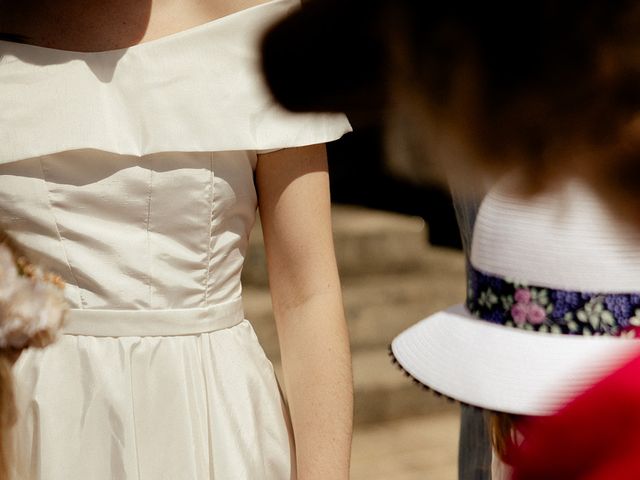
<point x="515" y="304"/>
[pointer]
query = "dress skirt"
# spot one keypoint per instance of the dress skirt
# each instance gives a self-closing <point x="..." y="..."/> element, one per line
<point x="149" y="407"/>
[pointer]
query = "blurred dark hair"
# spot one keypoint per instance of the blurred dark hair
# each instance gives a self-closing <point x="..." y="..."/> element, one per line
<point x="535" y="83"/>
<point x="13" y="37"/>
<point x="328" y="56"/>
<point x="550" y="87"/>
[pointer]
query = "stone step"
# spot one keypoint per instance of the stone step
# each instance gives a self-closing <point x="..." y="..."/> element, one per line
<point x="417" y="448"/>
<point x="377" y="306"/>
<point x="382" y="392"/>
<point x="366" y="242"/>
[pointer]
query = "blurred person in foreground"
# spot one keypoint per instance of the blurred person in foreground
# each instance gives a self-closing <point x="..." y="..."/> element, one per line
<point x="548" y="90"/>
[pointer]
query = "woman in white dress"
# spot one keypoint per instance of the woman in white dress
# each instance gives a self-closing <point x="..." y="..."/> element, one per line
<point x="137" y="141"/>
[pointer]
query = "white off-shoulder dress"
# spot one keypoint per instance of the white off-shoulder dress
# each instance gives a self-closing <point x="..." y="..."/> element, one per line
<point x="130" y="173"/>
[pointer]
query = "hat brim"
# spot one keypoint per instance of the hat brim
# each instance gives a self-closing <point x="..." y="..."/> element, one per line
<point x="503" y="368"/>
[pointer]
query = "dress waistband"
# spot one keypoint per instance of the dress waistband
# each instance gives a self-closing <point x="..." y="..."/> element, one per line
<point x="150" y="323"/>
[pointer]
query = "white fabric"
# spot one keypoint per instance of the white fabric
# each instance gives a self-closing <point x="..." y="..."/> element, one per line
<point x="130" y="173"/>
<point x="153" y="323"/>
<point x="185" y="407"/>
<point x="198" y="90"/>
<point x="564" y="239"/>
<point x="502" y="368"/>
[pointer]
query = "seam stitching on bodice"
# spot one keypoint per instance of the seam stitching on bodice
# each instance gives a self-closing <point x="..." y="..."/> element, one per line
<point x="149" y="234"/>
<point x="83" y="304"/>
<point x="211" y="202"/>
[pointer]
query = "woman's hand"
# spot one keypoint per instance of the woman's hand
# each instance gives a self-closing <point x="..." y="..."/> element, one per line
<point x="295" y="209"/>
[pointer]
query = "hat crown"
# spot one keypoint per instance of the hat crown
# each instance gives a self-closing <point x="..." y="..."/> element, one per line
<point x="562" y="239"/>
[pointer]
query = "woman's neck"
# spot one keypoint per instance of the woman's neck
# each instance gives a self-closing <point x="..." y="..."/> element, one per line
<point x="77" y="24"/>
<point x="99" y="25"/>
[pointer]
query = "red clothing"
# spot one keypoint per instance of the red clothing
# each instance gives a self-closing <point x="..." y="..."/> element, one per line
<point x="595" y="437"/>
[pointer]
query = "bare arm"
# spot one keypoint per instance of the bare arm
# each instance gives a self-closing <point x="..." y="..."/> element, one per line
<point x="293" y="189"/>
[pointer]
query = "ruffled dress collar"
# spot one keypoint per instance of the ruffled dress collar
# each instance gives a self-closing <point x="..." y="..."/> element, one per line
<point x="197" y="90"/>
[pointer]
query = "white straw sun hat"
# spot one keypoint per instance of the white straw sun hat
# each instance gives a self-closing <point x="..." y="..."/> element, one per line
<point x="553" y="304"/>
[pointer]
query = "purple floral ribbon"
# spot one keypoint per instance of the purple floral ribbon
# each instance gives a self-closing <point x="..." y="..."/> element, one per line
<point x="519" y="305"/>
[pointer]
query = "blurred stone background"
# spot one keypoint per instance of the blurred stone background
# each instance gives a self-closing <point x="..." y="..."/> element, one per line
<point x="398" y="253"/>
